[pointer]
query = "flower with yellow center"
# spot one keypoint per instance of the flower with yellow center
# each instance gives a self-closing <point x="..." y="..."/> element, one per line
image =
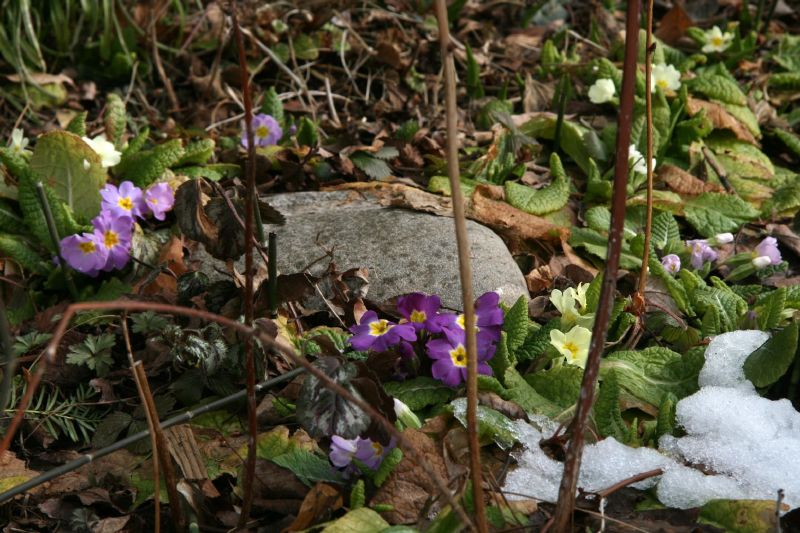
<point x="573" y="345"/>
<point x="717" y="41"/>
<point x="87" y="247"/>
<point x="418" y="316"/>
<point x="458" y="356"/>
<point x="379" y="327"/>
<point x="565" y="303"/>
<point x="667" y="77"/>
<point x="111" y="238"/>
<point x="125" y="203"/>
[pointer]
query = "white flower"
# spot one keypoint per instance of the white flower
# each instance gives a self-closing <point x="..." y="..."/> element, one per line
<point x="18" y="142"/>
<point x="573" y="345"/>
<point x="636" y="160"/>
<point x="579" y="293"/>
<point x="723" y="238"/>
<point x="762" y="261"/>
<point x="565" y="303"/>
<point x="406" y="415"/>
<point x="665" y="76"/>
<point x="716" y="41"/>
<point x="602" y="91"/>
<point x="86" y="164"/>
<point x="109" y="156"/>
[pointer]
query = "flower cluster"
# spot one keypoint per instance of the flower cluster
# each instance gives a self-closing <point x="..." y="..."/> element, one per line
<point x="702" y="250"/>
<point x="441" y="336"/>
<point x="266" y="131"/>
<point x="368" y="452"/>
<point x="574" y="344"/>
<point x="108" y="245"/>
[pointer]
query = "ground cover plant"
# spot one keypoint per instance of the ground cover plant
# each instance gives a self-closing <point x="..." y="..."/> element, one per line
<point x="137" y="165"/>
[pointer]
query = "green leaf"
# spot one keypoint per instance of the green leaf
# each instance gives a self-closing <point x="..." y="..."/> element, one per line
<point x="110" y="428"/>
<point x="675" y="288"/>
<point x="650" y="373"/>
<point x="745" y="116"/>
<point x="307" y="134"/>
<point x="536" y="341"/>
<point x="560" y="384"/>
<point x="740" y="516"/>
<point x="58" y="161"/>
<point x="308" y="467"/>
<point x="137" y="143"/>
<point x="197" y="153"/>
<point x="372" y="166"/>
<point x="493" y="426"/>
<point x="712" y="213"/>
<point x="474" y="85"/>
<point x="363" y="520"/>
<point x="607" y="414"/>
<point x="357" y="497"/>
<point x="78" y="124"/>
<point x="596" y="243"/>
<point x="773" y="358"/>
<point x="21" y="251"/>
<point x="770" y="308"/>
<point x="516" y="324"/>
<point x="145" y="167"/>
<point x="785" y="80"/>
<point x="305" y="47"/>
<point x="665" y="424"/>
<point x="387" y="466"/>
<point x="729" y="304"/>
<point x="420" y="392"/>
<point x="115" y="119"/>
<point x="541" y="201"/>
<point x="580" y="143"/>
<point x="664" y="230"/>
<point x="785" y="200"/>
<point x="740" y="158"/>
<point x="272" y="105"/>
<point x="719" y="88"/>
<point x="521" y="393"/>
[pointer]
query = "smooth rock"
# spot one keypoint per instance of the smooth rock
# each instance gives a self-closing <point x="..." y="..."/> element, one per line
<point x="405" y="251"/>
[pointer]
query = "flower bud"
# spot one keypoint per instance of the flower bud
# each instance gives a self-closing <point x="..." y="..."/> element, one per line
<point x="761" y="261"/>
<point x="406" y="415"/>
<point x="723" y="238"/>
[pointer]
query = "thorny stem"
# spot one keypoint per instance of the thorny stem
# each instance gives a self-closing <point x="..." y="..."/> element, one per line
<point x="51" y="227"/>
<point x="250" y="199"/>
<point x="562" y="520"/>
<point x="638" y="299"/>
<point x="464" y="267"/>
<point x="250" y="332"/>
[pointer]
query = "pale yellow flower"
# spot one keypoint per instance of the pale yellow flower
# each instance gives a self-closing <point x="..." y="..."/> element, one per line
<point x="717" y="41"/>
<point x="573" y="345"/>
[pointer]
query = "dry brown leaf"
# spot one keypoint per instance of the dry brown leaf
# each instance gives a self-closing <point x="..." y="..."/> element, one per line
<point x="506" y="219"/>
<point x="720" y="118"/>
<point x="317" y="507"/>
<point x="409" y="486"/>
<point x="674" y="24"/>
<point x="539" y="279"/>
<point x="682" y="182"/>
<point x="508" y="408"/>
<point x="575" y="259"/>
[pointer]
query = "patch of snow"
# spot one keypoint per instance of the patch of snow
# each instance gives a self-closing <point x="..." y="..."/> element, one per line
<point x="749" y="442"/>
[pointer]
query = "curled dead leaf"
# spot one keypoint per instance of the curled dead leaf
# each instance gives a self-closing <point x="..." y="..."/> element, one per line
<point x="720" y="118"/>
<point x="682" y="182"/>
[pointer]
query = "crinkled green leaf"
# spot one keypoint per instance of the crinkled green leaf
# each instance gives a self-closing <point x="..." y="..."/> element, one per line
<point x="712" y="213"/>
<point x="60" y="161"/>
<point x="419" y="392"/>
<point x="784" y="80"/>
<point x="272" y="105"/>
<point x="596" y="243"/>
<point x="308" y="467"/>
<point x="665" y="422"/>
<point x="740" y="158"/>
<point x="561" y="384"/>
<point x="19" y="250"/>
<point x="372" y="166"/>
<point x="363" y="520"/>
<point x="197" y="153"/>
<point x="664" y="230"/>
<point x="387" y="466"/>
<point x="675" y="288"/>
<point x="772" y="359"/>
<point x="719" y="88"/>
<point x="580" y="143"/>
<point x="33" y="215"/>
<point x="650" y="373"/>
<point x="536" y="341"/>
<point x="146" y="166"/>
<point x="474" y="85"/>
<point x="606" y="410"/>
<point x="516" y="323"/>
<point x="740" y="516"/>
<point x="746" y="117"/>
<point x="770" y="307"/>
<point x="78" y="124"/>
<point x="115" y="119"/>
<point x="493" y="426"/>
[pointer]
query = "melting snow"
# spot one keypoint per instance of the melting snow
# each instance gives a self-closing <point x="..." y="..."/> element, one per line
<point x="751" y="443"/>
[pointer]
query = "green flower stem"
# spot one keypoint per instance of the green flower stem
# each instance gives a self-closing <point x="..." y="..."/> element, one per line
<point x="51" y="227"/>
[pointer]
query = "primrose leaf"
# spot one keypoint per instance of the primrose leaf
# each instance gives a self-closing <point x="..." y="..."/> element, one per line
<point x="78" y="124"/>
<point x="580" y="143"/>
<point x="115" y="119"/>
<point x="272" y="105"/>
<point x="14" y="247"/>
<point x="493" y="426"/>
<point x="719" y="88"/>
<point x="740" y="158"/>
<point x="308" y="467"/>
<point x="741" y="516"/>
<point x="596" y="244"/>
<point x="675" y="288"/>
<point x="197" y="152"/>
<point x="387" y="466"/>
<point x="58" y="162"/>
<point x="146" y="166"/>
<point x="363" y="520"/>
<point x="516" y="323"/>
<point x="712" y="213"/>
<point x="730" y="305"/>
<point x="650" y="373"/>
<point x="664" y="230"/>
<point x="372" y="166"/>
<point x="773" y="358"/>
<point x="665" y="423"/>
<point x="561" y="384"/>
<point x="607" y="414"/>
<point x="785" y="200"/>
<point x="321" y="412"/>
<point x="420" y="392"/>
<point x="545" y="200"/>
<point x="521" y="393"/>
<point x="770" y="308"/>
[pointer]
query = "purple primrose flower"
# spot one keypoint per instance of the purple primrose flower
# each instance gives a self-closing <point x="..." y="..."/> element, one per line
<point x="701" y="252"/>
<point x="769" y="248"/>
<point x="370" y="453"/>
<point x="420" y="310"/>
<point x="672" y="263"/>
<point x="127" y="200"/>
<point x="379" y="334"/>
<point x="159" y="198"/>
<point x="115" y="234"/>
<point x="488" y="319"/>
<point x="266" y="131"/>
<point x="450" y="360"/>
<point x="85" y="253"/>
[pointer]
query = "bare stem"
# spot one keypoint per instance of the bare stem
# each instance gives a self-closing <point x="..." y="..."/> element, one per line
<point x="638" y="299"/>
<point x="9" y="357"/>
<point x="51" y="227"/>
<point x="250" y="200"/>
<point x="272" y="270"/>
<point x="562" y="520"/>
<point x="464" y="267"/>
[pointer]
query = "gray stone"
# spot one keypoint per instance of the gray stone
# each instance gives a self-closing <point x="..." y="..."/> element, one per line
<point x="405" y="251"/>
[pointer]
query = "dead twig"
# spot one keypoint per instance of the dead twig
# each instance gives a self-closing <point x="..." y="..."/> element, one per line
<point x="605" y="493"/>
<point x="562" y="520"/>
<point x="464" y="267"/>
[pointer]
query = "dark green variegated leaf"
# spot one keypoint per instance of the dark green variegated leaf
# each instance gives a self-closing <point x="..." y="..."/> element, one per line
<point x="773" y="358"/>
<point x="321" y="412"/>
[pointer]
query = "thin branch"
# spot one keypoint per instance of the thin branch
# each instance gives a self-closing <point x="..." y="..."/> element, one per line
<point x="272" y="273"/>
<point x="605" y="493"/>
<point x="562" y="520"/>
<point x="250" y="200"/>
<point x="464" y="267"/>
<point x="638" y="298"/>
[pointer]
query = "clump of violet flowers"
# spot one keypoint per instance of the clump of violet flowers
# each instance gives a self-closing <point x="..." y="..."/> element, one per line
<point x="426" y="333"/>
<point x="108" y="246"/>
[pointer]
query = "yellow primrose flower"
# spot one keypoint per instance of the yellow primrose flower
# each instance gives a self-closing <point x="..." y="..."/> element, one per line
<point x="565" y="303"/>
<point x="573" y="345"/>
<point x="579" y="293"/>
<point x="717" y="41"/>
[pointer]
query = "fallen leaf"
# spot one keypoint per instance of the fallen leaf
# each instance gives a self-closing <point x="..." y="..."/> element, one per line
<point x="682" y="182"/>
<point x="510" y="221"/>
<point x="673" y="24"/>
<point x="720" y="118"/>
<point x="539" y="279"/>
<point x="317" y="506"/>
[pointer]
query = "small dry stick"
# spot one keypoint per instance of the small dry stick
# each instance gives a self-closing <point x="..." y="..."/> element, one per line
<point x="639" y="305"/>
<point x="250" y="199"/>
<point x="562" y="520"/>
<point x="464" y="267"/>
<point x="605" y="493"/>
<point x="151" y="425"/>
